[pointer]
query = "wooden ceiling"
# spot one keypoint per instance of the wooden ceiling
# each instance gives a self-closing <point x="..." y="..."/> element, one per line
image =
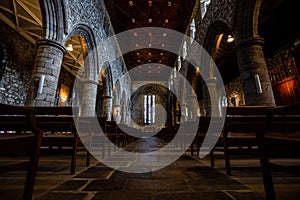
<point x="172" y="14"/>
<point x="278" y="25"/>
<point x="24" y="16"/>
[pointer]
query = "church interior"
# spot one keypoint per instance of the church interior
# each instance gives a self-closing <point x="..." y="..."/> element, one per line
<point x="149" y="99"/>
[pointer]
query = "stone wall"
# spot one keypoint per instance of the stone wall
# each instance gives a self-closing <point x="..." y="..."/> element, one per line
<point x="94" y="14"/>
<point x="20" y="58"/>
<point x="218" y="10"/>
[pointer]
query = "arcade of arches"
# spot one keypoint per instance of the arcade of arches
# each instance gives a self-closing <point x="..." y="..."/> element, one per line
<point x="49" y="51"/>
<point x="54" y="49"/>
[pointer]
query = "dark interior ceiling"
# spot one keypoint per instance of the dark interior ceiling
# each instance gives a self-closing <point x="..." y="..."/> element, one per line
<point x="172" y="14"/>
<point x="278" y="25"/>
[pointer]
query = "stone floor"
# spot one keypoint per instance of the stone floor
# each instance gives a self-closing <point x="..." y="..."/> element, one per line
<point x="186" y="178"/>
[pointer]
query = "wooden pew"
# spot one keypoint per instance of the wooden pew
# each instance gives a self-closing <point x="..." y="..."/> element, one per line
<point x="240" y="131"/>
<point x="276" y="131"/>
<point x="204" y="123"/>
<point x="21" y="135"/>
<point x="89" y="130"/>
<point x="281" y="138"/>
<point x="59" y="124"/>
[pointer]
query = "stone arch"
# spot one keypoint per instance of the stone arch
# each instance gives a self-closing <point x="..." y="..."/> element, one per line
<point x="55" y="23"/>
<point x="108" y="90"/>
<point x="92" y="71"/>
<point x="214" y="29"/>
<point x="212" y="42"/>
<point x="246" y="19"/>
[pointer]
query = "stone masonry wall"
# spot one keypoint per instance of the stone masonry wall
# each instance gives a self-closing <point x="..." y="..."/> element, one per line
<point x="94" y="14"/>
<point x="222" y="10"/>
<point x="20" y="58"/>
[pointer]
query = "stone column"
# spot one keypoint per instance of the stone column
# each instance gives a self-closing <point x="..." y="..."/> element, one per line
<point x="193" y="105"/>
<point x="107" y="107"/>
<point x="117" y="113"/>
<point x="184" y="112"/>
<point x="211" y="98"/>
<point x="177" y="113"/>
<point x="45" y="73"/>
<point x="252" y="62"/>
<point x="89" y="95"/>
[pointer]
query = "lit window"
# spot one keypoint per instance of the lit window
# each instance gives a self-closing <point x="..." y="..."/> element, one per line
<point x="179" y="63"/>
<point x="149" y="109"/>
<point x="184" y="50"/>
<point x="204" y="6"/>
<point x="192" y="30"/>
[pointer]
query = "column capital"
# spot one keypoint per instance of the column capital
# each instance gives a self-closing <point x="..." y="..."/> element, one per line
<point x="52" y="43"/>
<point x="250" y="42"/>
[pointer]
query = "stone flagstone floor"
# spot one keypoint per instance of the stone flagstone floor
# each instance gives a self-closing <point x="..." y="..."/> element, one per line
<point x="187" y="178"/>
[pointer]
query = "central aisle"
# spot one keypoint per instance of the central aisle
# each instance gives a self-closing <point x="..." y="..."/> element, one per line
<point x="184" y="179"/>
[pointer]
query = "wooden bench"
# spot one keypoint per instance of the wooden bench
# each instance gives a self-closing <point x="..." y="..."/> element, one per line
<point x="281" y="138"/>
<point x="204" y="123"/>
<point x="240" y="131"/>
<point x="19" y="134"/>
<point x="266" y="128"/>
<point x="58" y="123"/>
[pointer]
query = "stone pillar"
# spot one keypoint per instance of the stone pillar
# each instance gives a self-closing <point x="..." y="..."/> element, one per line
<point x="117" y="113"/>
<point x="184" y="112"/>
<point x="252" y="62"/>
<point x="177" y="116"/>
<point x="45" y="73"/>
<point x="211" y="98"/>
<point x="107" y="107"/>
<point x="128" y="117"/>
<point x="193" y="106"/>
<point x="89" y="95"/>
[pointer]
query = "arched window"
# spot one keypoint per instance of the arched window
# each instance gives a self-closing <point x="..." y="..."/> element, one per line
<point x="204" y="6"/>
<point x="192" y="30"/>
<point x="149" y="109"/>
